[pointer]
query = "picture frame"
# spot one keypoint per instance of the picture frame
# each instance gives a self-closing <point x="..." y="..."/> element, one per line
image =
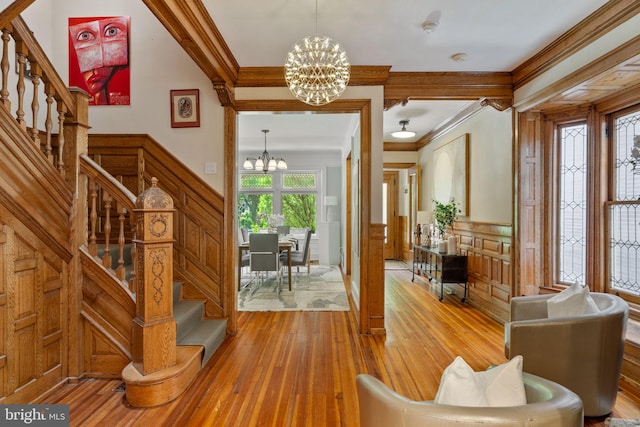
<point x="185" y="108"/>
<point x="450" y="173"/>
<point x="27" y="67"/>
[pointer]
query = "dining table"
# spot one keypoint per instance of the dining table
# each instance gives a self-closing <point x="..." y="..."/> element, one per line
<point x="284" y="244"/>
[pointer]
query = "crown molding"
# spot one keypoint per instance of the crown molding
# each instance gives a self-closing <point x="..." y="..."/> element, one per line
<point x="612" y="14"/>
<point x="361" y="75"/>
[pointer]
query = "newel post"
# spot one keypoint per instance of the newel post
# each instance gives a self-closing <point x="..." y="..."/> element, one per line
<point x="154" y="328"/>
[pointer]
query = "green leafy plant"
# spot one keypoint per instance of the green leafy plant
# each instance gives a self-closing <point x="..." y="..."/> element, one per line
<point x="445" y="215"/>
<point x="635" y="154"/>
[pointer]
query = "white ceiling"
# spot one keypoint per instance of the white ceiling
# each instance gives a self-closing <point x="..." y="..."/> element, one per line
<point x="495" y="35"/>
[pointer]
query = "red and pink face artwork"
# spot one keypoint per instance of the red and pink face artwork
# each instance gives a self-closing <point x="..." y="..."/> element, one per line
<point x="100" y="64"/>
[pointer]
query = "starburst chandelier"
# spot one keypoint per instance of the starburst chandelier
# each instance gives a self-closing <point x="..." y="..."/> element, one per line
<point x="317" y="70"/>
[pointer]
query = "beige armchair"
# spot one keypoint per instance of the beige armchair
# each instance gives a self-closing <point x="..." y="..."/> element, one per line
<point x="548" y="404"/>
<point x="583" y="353"/>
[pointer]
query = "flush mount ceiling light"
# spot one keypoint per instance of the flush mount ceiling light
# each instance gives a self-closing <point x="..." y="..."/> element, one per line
<point x="317" y="70"/>
<point x="429" y="26"/>
<point x="403" y="133"/>
<point x="265" y="162"/>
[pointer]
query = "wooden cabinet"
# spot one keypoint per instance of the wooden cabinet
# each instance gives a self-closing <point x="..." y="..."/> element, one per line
<point x="440" y="267"/>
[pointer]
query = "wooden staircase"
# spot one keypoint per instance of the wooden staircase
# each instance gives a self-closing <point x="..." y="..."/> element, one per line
<point x="192" y="328"/>
<point x="76" y="303"/>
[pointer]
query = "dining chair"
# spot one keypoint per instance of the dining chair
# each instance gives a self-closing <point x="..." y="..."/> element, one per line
<point x="264" y="255"/>
<point x="283" y="230"/>
<point x="244" y="259"/>
<point x="299" y="258"/>
<point x="244" y="231"/>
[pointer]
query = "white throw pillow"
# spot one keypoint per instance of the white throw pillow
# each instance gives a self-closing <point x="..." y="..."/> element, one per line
<point x="573" y="301"/>
<point x="496" y="387"/>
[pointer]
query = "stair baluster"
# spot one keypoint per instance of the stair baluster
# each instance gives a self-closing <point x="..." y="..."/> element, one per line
<point x="120" y="270"/>
<point x="93" y="216"/>
<point x="48" y="122"/>
<point x="4" y="65"/>
<point x="36" y="73"/>
<point x="106" y="228"/>
<point x="21" y="51"/>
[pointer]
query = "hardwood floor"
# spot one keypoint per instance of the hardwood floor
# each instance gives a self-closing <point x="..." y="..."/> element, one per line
<point x="299" y="368"/>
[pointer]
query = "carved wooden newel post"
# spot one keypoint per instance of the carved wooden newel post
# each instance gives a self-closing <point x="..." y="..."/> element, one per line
<point x="159" y="371"/>
<point x="154" y="328"/>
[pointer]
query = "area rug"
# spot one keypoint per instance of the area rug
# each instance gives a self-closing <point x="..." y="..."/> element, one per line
<point x="323" y="290"/>
<point x="619" y="422"/>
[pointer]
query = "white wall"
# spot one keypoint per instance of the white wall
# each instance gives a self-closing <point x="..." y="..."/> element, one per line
<point x="157" y="64"/>
<point x="490" y="167"/>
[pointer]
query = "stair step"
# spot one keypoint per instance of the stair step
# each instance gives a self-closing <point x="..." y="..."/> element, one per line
<point x="187" y="315"/>
<point x="177" y="288"/>
<point x="208" y="333"/>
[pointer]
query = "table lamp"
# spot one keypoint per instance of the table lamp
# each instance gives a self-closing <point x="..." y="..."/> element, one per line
<point x="422" y="218"/>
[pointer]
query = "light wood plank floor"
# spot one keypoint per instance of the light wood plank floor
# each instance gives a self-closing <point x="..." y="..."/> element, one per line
<point x="299" y="368"/>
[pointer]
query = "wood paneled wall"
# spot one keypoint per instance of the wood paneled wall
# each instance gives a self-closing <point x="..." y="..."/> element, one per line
<point x="35" y="211"/>
<point x="490" y="276"/>
<point x="198" y="250"/>
<point x="530" y="204"/>
<point x="108" y="310"/>
<point x="33" y="338"/>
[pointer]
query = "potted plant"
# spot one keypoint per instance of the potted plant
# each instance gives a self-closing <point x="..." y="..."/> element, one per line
<point x="635" y="154"/>
<point x="445" y="215"/>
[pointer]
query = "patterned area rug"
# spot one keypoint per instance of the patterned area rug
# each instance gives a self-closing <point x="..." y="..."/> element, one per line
<point x="322" y="291"/>
<point x="619" y="422"/>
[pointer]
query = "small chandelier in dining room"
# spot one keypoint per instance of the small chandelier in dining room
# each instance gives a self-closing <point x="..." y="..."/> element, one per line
<point x="265" y="162"/>
<point x="317" y="70"/>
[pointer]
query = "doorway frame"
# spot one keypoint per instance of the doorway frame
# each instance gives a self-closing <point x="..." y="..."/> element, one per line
<point x="391" y="177"/>
<point x="367" y="306"/>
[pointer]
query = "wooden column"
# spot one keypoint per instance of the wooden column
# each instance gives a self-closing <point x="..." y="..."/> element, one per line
<point x="154" y="328"/>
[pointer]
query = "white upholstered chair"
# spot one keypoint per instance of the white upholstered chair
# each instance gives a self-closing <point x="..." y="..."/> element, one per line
<point x="548" y="405"/>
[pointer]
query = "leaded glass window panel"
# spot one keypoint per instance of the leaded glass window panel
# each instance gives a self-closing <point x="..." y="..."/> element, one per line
<point x="572" y="212"/>
<point x="624" y="209"/>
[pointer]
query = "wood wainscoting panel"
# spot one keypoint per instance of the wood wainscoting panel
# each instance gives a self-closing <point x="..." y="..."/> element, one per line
<point x="4" y="335"/>
<point x="198" y="248"/>
<point x="488" y="248"/>
<point x="32" y="316"/>
<point x="108" y="310"/>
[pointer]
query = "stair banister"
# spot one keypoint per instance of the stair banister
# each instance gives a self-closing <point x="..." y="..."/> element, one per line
<point x="114" y="193"/>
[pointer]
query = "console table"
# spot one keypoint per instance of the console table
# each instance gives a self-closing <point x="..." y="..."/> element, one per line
<point x="440" y="267"/>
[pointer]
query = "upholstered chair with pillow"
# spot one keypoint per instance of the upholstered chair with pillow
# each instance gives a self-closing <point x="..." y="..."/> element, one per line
<point x="582" y="352"/>
<point x="547" y="405"/>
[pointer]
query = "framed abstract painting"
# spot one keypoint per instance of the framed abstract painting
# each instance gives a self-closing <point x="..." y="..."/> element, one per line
<point x="185" y="108"/>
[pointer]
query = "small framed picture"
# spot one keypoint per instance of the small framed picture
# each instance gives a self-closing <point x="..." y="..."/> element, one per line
<point x="185" y="108"/>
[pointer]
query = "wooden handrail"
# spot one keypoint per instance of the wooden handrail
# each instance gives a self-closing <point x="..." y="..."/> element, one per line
<point x="108" y="182"/>
<point x="37" y="56"/>
<point x="48" y="91"/>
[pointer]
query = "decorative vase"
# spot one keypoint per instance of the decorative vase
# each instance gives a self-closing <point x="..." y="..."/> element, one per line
<point x="452" y="246"/>
<point x="442" y="246"/>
